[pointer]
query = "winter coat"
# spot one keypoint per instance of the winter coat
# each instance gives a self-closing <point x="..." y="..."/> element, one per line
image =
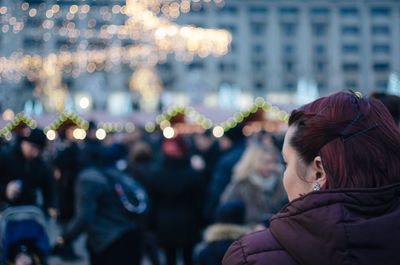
<point x="221" y="177"/>
<point x="99" y="212"/>
<point x="34" y="175"/>
<point x="217" y="239"/>
<point x="68" y="163"/>
<point x="258" y="201"/>
<point x="178" y="192"/>
<point x="352" y="226"/>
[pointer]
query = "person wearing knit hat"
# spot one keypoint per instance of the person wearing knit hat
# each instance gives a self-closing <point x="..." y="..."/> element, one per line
<point x="24" y="173"/>
<point x="37" y="139"/>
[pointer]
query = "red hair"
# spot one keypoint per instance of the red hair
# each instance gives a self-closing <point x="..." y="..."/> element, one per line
<point x="356" y="138"/>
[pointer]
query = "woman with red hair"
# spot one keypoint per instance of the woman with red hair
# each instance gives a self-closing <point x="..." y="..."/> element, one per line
<point x="342" y="177"/>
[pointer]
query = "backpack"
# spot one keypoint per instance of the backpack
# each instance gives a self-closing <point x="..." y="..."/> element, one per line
<point x="129" y="192"/>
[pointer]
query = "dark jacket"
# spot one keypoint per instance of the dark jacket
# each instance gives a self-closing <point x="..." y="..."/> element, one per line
<point x="178" y="192"/>
<point x="68" y="163"/>
<point x="217" y="239"/>
<point x="99" y="213"/>
<point x="354" y="226"/>
<point x="222" y="176"/>
<point x="34" y="175"/>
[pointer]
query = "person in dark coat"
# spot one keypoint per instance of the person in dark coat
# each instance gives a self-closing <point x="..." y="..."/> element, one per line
<point x="66" y="169"/>
<point x="24" y="174"/>
<point x="343" y="182"/>
<point x="141" y="167"/>
<point x="223" y="170"/>
<point x="113" y="235"/>
<point x="228" y="227"/>
<point x="177" y="193"/>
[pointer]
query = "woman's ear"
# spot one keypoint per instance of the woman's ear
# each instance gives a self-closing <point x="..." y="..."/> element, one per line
<point x="318" y="172"/>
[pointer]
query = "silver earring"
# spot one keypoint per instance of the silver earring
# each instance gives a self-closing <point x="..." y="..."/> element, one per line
<point x="316" y="186"/>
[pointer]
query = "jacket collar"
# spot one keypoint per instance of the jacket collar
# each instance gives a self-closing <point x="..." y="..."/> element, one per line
<point x="341" y="226"/>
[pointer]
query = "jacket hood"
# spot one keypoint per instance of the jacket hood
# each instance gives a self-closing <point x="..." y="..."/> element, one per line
<point x="219" y="232"/>
<point x="354" y="226"/>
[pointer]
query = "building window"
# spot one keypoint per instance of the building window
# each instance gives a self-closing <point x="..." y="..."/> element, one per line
<point x="258" y="10"/>
<point x="319" y="67"/>
<point x="34" y="22"/>
<point x="227" y="67"/>
<point x="351" y="84"/>
<point x="231" y="28"/>
<point x="233" y="47"/>
<point x="321" y="85"/>
<point x="350" y="48"/>
<point x="288" y="29"/>
<point x="97" y="44"/>
<point x="381" y="30"/>
<point x="319" y="11"/>
<point x="258" y="48"/>
<point x="33" y="43"/>
<point x="381" y="48"/>
<point x="257" y="28"/>
<point x="259" y="85"/>
<point x="319" y="29"/>
<point x="288" y="49"/>
<point x="195" y="65"/>
<point x="381" y="67"/>
<point x="319" y="50"/>
<point x="289" y="66"/>
<point x="288" y="11"/>
<point x="290" y="86"/>
<point x="350" y="67"/>
<point x="381" y="85"/>
<point x="258" y="65"/>
<point x="167" y="67"/>
<point x="348" y="11"/>
<point x="62" y="43"/>
<point x="350" y="30"/>
<point x="380" y="11"/>
<point x="227" y="9"/>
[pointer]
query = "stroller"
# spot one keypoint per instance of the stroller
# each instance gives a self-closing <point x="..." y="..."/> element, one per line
<point x="23" y="236"/>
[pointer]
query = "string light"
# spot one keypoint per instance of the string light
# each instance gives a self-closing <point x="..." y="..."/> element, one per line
<point x="156" y="38"/>
<point x="218" y="131"/>
<point x="51" y="135"/>
<point x="169" y="132"/>
<point x="163" y="121"/>
<point x="67" y="116"/>
<point x="101" y="134"/>
<point x="20" y="118"/>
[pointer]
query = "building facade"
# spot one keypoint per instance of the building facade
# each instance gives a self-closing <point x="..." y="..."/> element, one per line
<point x="337" y="44"/>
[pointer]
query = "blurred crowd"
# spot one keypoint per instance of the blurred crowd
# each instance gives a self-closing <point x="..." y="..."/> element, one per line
<point x="201" y="190"/>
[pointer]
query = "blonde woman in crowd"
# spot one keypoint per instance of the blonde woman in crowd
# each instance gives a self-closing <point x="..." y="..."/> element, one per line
<point x="257" y="182"/>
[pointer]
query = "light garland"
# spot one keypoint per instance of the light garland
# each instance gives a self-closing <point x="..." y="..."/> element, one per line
<point x="67" y="116"/>
<point x="167" y="8"/>
<point x="20" y="118"/>
<point x="162" y="121"/>
<point x="273" y="112"/>
<point x="157" y="37"/>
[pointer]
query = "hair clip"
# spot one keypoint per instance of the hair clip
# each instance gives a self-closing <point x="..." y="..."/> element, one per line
<point x="351" y="136"/>
<point x="358" y="94"/>
<point x="343" y="133"/>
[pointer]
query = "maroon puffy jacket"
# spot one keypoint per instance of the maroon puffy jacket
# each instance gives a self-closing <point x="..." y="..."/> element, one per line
<point x="353" y="226"/>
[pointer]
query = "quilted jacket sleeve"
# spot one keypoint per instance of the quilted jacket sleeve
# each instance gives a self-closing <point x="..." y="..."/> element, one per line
<point x="235" y="255"/>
